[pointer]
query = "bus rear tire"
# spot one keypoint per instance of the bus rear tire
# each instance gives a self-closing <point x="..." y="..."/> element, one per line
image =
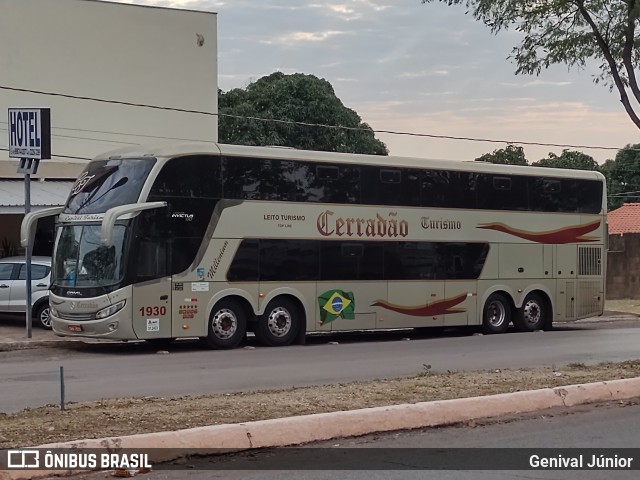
<point x="227" y="325"/>
<point x="533" y="315"/>
<point x="496" y="314"/>
<point x="279" y="324"/>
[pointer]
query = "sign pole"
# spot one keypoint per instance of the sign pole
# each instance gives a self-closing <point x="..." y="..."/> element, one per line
<point x="30" y="141"/>
<point x="27" y="167"/>
<point x="27" y="209"/>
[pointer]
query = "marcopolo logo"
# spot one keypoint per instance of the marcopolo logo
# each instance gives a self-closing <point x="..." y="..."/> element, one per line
<point x="336" y="303"/>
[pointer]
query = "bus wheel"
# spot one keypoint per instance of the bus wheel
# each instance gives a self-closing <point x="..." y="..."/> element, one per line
<point x="279" y="324"/>
<point x="533" y="314"/>
<point x="227" y="325"/>
<point x="496" y="314"/>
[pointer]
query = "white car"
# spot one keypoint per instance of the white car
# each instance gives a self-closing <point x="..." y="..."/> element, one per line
<point x="13" y="290"/>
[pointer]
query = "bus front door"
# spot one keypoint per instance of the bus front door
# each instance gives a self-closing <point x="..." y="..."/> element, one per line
<point x="152" y="309"/>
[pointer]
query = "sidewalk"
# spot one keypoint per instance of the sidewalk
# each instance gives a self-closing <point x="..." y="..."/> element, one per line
<point x="13" y="336"/>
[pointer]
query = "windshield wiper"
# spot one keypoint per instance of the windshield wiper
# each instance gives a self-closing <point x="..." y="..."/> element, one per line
<point x="89" y="200"/>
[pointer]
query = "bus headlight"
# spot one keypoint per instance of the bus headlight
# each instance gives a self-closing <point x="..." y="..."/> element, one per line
<point x="53" y="311"/>
<point x="107" y="312"/>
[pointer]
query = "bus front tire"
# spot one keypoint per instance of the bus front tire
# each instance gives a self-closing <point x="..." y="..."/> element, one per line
<point x="533" y="314"/>
<point x="496" y="314"/>
<point x="227" y="325"/>
<point x="279" y="324"/>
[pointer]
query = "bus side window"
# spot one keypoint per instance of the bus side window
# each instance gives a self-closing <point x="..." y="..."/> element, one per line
<point x="502" y="183"/>
<point x="351" y="260"/>
<point x="241" y="178"/>
<point x="441" y="188"/>
<point x="245" y="266"/>
<point x="336" y="184"/>
<point x="352" y="250"/>
<point x="277" y="181"/>
<point x="502" y="192"/>
<point x="390" y="176"/>
<point x="151" y="259"/>
<point x="545" y="194"/>
<point x="327" y="172"/>
<point x="195" y="176"/>
<point x="385" y="186"/>
<point x="283" y="260"/>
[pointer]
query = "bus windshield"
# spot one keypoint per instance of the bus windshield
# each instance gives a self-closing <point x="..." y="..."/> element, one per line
<point x="81" y="261"/>
<point x="108" y="183"/>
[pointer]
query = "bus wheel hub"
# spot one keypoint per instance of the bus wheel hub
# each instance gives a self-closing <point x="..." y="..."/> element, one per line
<point x="279" y="322"/>
<point x="224" y="323"/>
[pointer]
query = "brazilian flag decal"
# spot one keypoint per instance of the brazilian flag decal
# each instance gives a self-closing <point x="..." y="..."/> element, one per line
<point x="336" y="303"/>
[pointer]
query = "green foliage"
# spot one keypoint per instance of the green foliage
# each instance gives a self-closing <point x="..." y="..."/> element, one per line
<point x="426" y="371"/>
<point x="511" y="155"/>
<point x="293" y="98"/>
<point x="570" y="32"/>
<point x="623" y="176"/>
<point x="568" y="159"/>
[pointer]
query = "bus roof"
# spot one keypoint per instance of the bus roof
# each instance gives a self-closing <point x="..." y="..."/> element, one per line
<point x="168" y="150"/>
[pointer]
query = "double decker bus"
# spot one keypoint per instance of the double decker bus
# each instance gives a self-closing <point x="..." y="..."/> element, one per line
<point x="214" y="241"/>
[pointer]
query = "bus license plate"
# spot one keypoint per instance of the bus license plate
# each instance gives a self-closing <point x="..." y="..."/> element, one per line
<point x="75" y="328"/>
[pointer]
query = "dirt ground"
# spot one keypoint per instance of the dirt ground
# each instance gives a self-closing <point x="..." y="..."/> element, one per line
<point x="624" y="306"/>
<point x="128" y="416"/>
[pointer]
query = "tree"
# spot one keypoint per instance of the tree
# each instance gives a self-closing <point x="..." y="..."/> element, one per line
<point x="511" y="155"/>
<point x="623" y="176"/>
<point x="570" y="32"/>
<point x="293" y="98"/>
<point x="568" y="159"/>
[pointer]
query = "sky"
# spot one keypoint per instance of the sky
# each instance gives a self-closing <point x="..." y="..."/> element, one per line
<point x="425" y="69"/>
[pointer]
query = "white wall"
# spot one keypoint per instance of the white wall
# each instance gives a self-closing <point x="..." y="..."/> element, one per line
<point x="113" y="51"/>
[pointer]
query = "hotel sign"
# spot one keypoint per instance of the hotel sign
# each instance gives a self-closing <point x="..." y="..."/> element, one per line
<point x="30" y="133"/>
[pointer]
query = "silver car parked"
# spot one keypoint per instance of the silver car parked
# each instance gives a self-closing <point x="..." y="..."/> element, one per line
<point x="13" y="288"/>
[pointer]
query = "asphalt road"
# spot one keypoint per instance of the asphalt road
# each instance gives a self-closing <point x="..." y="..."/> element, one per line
<point x="31" y="378"/>
<point x="607" y="429"/>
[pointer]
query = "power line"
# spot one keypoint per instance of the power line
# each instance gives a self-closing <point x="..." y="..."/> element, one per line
<point x="306" y="124"/>
<point x="104" y="140"/>
<point x="106" y="132"/>
<point x="59" y="156"/>
<point x="102" y="100"/>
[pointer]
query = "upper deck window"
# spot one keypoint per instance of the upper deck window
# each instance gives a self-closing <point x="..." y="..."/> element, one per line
<point x="108" y="183"/>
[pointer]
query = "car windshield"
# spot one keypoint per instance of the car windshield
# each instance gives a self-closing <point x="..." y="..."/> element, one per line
<point x="81" y="261"/>
<point x="108" y="183"/>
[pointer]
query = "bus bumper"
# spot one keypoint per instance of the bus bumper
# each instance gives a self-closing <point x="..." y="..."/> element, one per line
<point x="115" y="327"/>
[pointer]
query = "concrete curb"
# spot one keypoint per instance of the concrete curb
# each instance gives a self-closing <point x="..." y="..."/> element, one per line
<point x="325" y="426"/>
